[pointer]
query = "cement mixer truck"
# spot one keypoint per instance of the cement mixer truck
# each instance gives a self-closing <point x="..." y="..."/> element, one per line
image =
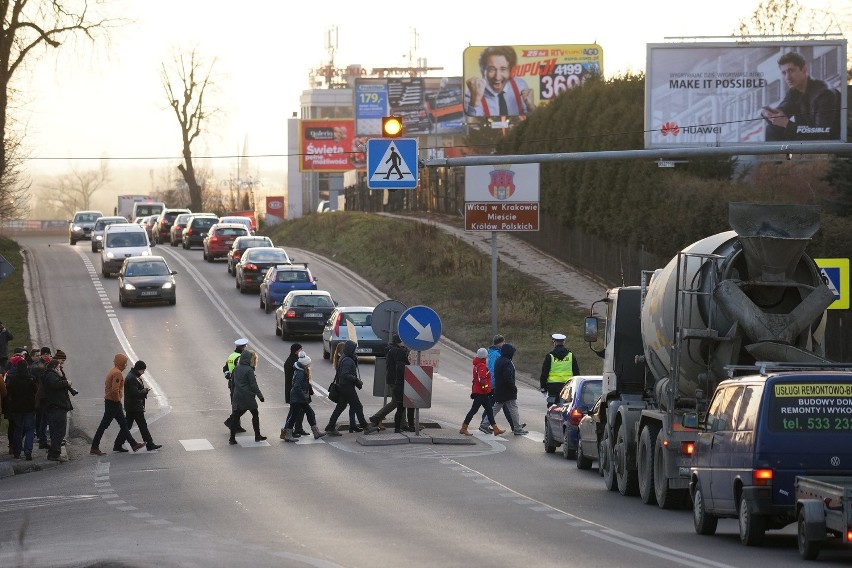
<point x="732" y="299"/>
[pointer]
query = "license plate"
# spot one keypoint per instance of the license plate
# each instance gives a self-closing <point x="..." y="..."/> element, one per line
<point x="313" y="315"/>
<point x="363" y="350"/>
<point x="148" y="293"/>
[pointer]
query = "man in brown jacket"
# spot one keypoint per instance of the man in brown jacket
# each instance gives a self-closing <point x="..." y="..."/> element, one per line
<point x="113" y="392"/>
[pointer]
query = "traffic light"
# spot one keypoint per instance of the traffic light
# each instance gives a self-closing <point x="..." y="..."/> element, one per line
<point x="391" y="127"/>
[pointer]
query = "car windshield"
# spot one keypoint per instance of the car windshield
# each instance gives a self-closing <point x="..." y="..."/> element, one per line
<point x="86" y="217"/>
<point x="104" y="222"/>
<point x="291" y="276"/>
<point x="119" y="240"/>
<point x="312" y="302"/>
<point x="182" y="219"/>
<point x="204" y="223"/>
<point x="267" y="256"/>
<point x="152" y="268"/>
<point x="248" y="243"/>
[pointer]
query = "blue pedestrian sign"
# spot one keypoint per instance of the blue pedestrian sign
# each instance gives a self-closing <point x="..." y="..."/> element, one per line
<point x="392" y="163"/>
<point x="419" y="328"/>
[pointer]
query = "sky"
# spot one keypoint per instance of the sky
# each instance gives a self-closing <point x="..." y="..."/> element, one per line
<point x="90" y="101"/>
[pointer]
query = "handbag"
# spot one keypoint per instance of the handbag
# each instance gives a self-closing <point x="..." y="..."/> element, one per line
<point x="334" y="392"/>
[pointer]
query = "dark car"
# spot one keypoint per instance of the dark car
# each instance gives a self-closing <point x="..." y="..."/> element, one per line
<point x="239" y="247"/>
<point x="163" y="227"/>
<point x="254" y="263"/>
<point x="280" y="280"/>
<point x="146" y="279"/>
<point x="219" y="239"/>
<point x="196" y="230"/>
<point x="149" y="223"/>
<point x="358" y="319"/>
<point x="303" y="312"/>
<point x="81" y="226"/>
<point x="176" y="231"/>
<point x="563" y="417"/>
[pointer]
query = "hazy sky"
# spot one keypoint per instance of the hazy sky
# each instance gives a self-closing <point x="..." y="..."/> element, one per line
<point x="108" y="100"/>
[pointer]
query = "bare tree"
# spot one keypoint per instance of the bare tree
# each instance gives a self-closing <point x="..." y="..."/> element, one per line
<point x="14" y="184"/>
<point x="787" y="17"/>
<point x="73" y="191"/>
<point x="187" y="83"/>
<point x="28" y="24"/>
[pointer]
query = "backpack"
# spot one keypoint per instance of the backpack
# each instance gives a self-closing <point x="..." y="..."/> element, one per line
<point x="481" y="379"/>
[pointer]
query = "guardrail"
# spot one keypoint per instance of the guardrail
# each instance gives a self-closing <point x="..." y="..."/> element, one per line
<point x="25" y="226"/>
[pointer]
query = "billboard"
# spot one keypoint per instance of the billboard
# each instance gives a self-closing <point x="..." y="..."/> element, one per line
<point x="512" y="81"/>
<point x="329" y="146"/>
<point x="501" y="198"/>
<point x="716" y="94"/>
<point x="427" y="105"/>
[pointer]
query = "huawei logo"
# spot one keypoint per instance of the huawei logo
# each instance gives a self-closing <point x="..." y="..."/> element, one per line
<point x="670" y="128"/>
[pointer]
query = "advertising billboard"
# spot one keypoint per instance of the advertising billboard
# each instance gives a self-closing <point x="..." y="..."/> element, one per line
<point x="427" y="105"/>
<point x="716" y="94"/>
<point x="329" y="146"/>
<point x="512" y="81"/>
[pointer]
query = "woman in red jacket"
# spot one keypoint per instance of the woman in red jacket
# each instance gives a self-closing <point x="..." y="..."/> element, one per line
<point x="479" y="393"/>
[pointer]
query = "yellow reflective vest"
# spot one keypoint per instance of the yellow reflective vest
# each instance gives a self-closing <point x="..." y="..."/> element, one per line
<point x="561" y="371"/>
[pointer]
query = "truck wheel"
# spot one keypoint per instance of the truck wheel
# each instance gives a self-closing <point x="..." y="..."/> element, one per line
<point x="549" y="443"/>
<point x="645" y="459"/>
<point x="808" y="549"/>
<point x="605" y="462"/>
<point x="752" y="527"/>
<point x="704" y="522"/>
<point x="582" y="461"/>
<point x="627" y="479"/>
<point x="666" y="498"/>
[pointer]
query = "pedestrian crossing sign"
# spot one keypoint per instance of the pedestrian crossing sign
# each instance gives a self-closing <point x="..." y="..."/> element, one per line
<point x="835" y="274"/>
<point x="392" y="163"/>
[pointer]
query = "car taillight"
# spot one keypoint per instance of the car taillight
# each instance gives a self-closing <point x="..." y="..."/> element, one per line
<point x="688" y="448"/>
<point x="238" y="253"/>
<point x="575" y="416"/>
<point x="250" y="266"/>
<point x="337" y="323"/>
<point x="762" y="477"/>
<point x="291" y="313"/>
<point x="214" y="239"/>
<point x="849" y="535"/>
<point x="188" y="231"/>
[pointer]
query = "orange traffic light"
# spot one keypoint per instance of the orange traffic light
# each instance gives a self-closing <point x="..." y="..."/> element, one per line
<point x="391" y="126"/>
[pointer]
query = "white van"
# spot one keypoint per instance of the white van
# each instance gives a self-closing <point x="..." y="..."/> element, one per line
<point x="146" y="209"/>
<point x="122" y="240"/>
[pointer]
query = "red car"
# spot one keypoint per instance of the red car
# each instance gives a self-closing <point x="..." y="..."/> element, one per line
<point x="219" y="239"/>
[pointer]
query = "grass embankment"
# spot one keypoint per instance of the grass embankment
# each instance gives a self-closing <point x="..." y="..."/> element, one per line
<point x="13" y="301"/>
<point x="418" y="264"/>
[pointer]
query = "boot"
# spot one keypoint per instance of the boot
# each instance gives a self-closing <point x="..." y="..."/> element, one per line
<point x="331" y="430"/>
<point x="496" y="430"/>
<point x="288" y="435"/>
<point x="255" y="423"/>
<point x="464" y="430"/>
<point x="283" y="434"/>
<point x="317" y="433"/>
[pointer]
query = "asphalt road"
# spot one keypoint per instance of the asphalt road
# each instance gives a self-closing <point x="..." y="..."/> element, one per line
<point x="333" y="502"/>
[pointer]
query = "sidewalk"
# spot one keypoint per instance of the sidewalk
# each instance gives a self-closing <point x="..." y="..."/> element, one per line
<point x="10" y="466"/>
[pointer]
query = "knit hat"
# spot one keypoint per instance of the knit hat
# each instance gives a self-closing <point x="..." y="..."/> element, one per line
<point x="482" y="353"/>
<point x="60" y="354"/>
<point x="304" y="360"/>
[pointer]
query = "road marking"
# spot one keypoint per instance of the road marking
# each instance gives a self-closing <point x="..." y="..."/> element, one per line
<point x="196" y="445"/>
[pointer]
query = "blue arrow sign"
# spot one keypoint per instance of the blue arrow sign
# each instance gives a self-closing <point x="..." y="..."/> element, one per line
<point x="419" y="328"/>
<point x="392" y="163"/>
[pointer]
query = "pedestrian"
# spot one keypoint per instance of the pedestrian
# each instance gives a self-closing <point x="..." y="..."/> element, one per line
<point x="135" y="393"/>
<point x="245" y="393"/>
<point x="558" y="368"/>
<point x="493" y="354"/>
<point x="480" y="391"/>
<point x="5" y="337"/>
<point x="37" y="370"/>
<point x="8" y="376"/>
<point x="395" y="362"/>
<point x="21" y="392"/>
<point x="348" y="378"/>
<point x="57" y="403"/>
<point x="300" y="398"/>
<point x="228" y="368"/>
<point x="335" y="361"/>
<point x="113" y="393"/>
<point x="289" y="422"/>
<point x="506" y="392"/>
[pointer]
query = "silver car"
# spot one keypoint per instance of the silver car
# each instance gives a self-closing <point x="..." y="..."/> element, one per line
<point x="81" y="226"/>
<point x="98" y="231"/>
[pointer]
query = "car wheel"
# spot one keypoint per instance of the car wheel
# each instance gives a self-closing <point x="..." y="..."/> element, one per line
<point x="808" y="548"/>
<point x="325" y="353"/>
<point x="277" y="329"/>
<point x="72" y="241"/>
<point x="704" y="522"/>
<point x="583" y="462"/>
<point x="627" y="479"/>
<point x="237" y="284"/>
<point x="549" y="443"/>
<point x="173" y="243"/>
<point x="752" y="527"/>
<point x="122" y="301"/>
<point x="567" y="452"/>
<point x="605" y="462"/>
<point x="184" y="246"/>
<point x="173" y="301"/>
<point x="667" y="498"/>
<point x="646" y="464"/>
<point x="104" y="272"/>
<point x="94" y="249"/>
<point x="266" y="307"/>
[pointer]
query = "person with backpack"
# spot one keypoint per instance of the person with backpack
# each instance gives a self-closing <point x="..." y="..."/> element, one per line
<point x="481" y="393"/>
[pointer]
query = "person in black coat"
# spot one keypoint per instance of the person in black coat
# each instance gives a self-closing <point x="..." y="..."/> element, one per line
<point x="348" y="378"/>
<point x="300" y="398"/>
<point x="57" y="403"/>
<point x="395" y="362"/>
<point x="505" y="388"/>
<point x="21" y="405"/>
<point x="289" y="422"/>
<point x="135" y="393"/>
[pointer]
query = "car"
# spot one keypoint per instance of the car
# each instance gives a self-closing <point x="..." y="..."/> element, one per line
<point x="239" y="219"/>
<point x="81" y="226"/>
<point x="562" y="420"/>
<point x="146" y="279"/>
<point x="589" y="435"/>
<point x="149" y="222"/>
<point x="196" y="229"/>
<point x="303" y="312"/>
<point x="98" y="230"/>
<point x="122" y="240"/>
<point x="163" y="226"/>
<point x="358" y="319"/>
<point x="239" y="246"/>
<point x="760" y="432"/>
<point x="219" y="239"/>
<point x="176" y="230"/>
<point x="254" y="263"/>
<point x="280" y="279"/>
<point x="146" y="209"/>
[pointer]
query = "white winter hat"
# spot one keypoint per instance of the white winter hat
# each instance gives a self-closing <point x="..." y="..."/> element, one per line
<point x="303" y="360"/>
<point x="482" y="353"/>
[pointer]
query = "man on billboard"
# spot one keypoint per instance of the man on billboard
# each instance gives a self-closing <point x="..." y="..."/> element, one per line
<point x="809" y="111"/>
<point x="497" y="92"/>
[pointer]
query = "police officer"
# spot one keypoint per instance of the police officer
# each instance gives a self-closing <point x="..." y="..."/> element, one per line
<point x="228" y="368"/>
<point x="558" y="367"/>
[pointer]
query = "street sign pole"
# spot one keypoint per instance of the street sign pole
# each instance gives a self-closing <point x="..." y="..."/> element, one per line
<point x="493" y="283"/>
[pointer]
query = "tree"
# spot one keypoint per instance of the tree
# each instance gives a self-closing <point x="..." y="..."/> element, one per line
<point x="187" y="82"/>
<point x="73" y="191"/>
<point x="787" y="17"/>
<point x="28" y="24"/>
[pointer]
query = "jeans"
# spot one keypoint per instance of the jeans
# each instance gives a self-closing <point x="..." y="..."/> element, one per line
<point x="348" y="396"/>
<point x="495" y="409"/>
<point x="57" y="422"/>
<point x="301" y="410"/>
<point x="510" y="409"/>
<point x="24" y="432"/>
<point x="41" y="426"/>
<point x="483" y="401"/>
<point x="291" y="423"/>
<point x="112" y="411"/>
<point x="139" y="418"/>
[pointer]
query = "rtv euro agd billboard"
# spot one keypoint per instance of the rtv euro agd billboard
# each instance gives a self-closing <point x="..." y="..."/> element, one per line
<point x="715" y="94"/>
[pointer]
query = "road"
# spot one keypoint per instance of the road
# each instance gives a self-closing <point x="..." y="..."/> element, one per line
<point x="332" y="502"/>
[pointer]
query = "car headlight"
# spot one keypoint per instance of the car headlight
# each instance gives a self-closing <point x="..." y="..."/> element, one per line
<point x="146" y="253"/>
<point x="110" y="255"/>
<point x="168" y="286"/>
<point x="77" y="228"/>
<point x="99" y="238"/>
<point x="129" y="286"/>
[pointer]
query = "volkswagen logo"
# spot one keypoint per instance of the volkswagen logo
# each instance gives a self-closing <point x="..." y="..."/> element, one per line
<point x="835" y="461"/>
